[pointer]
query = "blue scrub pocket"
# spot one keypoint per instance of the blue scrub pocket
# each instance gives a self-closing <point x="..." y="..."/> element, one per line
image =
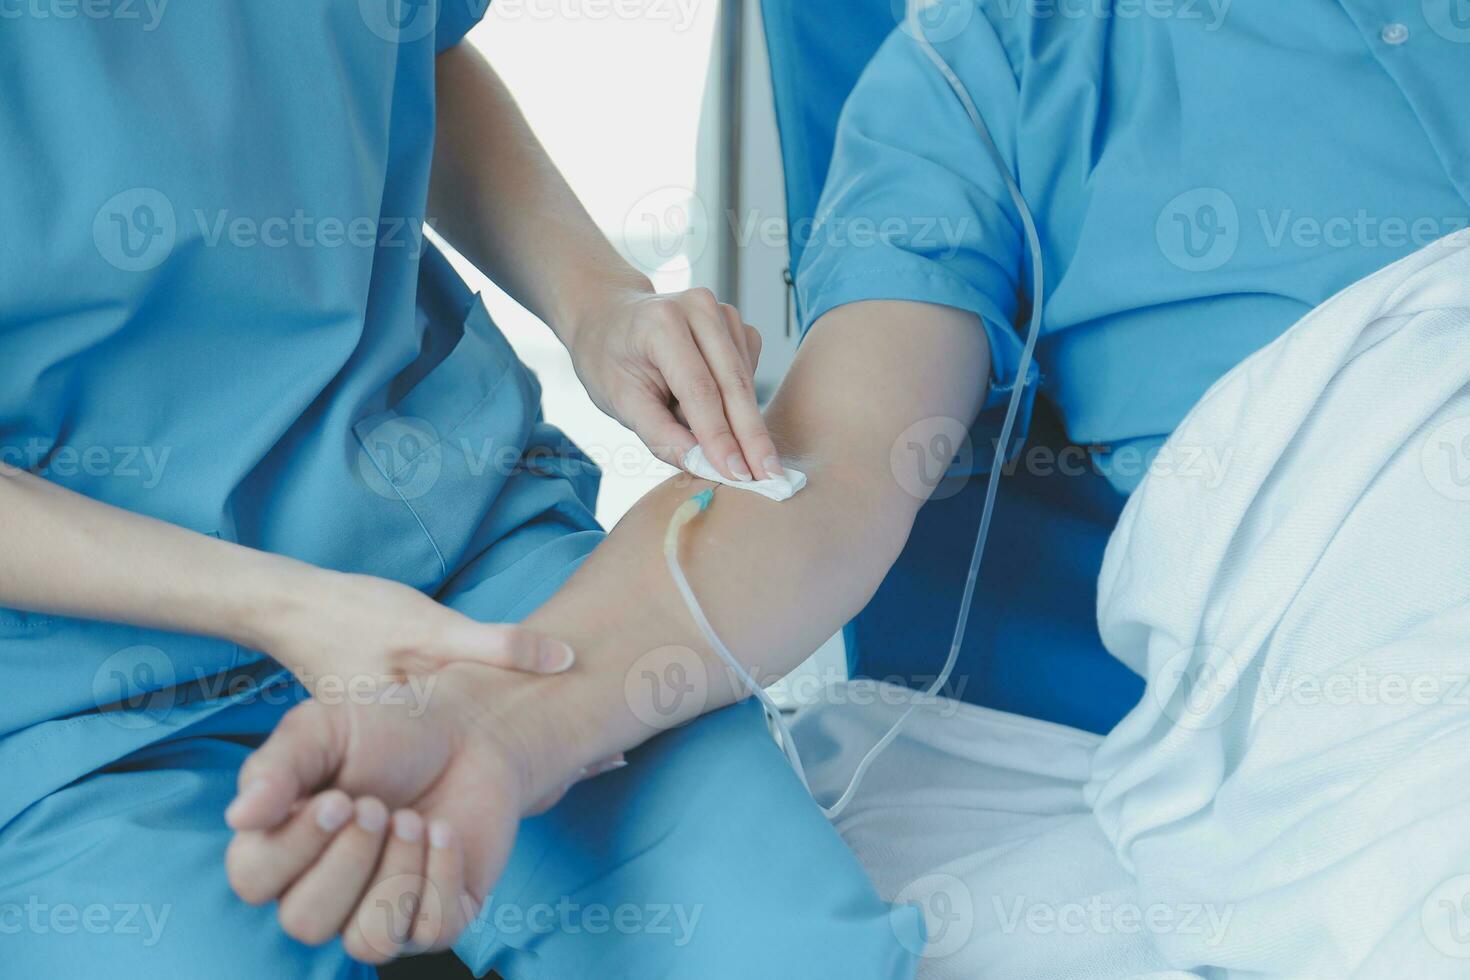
<point x="446" y="449"/>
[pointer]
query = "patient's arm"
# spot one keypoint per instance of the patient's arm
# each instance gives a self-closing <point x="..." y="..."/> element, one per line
<point x="775" y="579"/>
<point x="778" y="579"/>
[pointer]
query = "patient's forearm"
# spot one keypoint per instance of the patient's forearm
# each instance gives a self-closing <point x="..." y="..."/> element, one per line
<point x="776" y="580"/>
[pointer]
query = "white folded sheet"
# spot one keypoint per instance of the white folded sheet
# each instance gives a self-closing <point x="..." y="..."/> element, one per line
<point x="1297" y="774"/>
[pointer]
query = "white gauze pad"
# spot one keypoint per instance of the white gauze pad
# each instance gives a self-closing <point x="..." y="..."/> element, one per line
<point x="776" y="489"/>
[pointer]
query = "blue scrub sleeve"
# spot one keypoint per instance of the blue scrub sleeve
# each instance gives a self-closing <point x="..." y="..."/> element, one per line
<point x="456" y="19"/>
<point x="914" y="208"/>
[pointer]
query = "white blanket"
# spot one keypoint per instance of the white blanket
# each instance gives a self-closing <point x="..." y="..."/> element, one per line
<point x="1291" y="798"/>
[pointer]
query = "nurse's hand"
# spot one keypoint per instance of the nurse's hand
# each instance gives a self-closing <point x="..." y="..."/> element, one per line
<point x="338" y="631"/>
<point x="656" y="362"/>
<point x="408" y="811"/>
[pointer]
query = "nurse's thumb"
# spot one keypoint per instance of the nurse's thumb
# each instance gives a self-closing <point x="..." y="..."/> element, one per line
<point x="299" y="758"/>
<point x="509" y="646"/>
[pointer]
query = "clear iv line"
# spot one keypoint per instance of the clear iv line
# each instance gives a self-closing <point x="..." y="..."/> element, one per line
<point x="696" y="505"/>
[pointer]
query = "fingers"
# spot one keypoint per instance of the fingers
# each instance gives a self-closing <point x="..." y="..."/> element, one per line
<point x="509" y="646"/>
<point x="383" y="925"/>
<point x="316" y="907"/>
<point x="261" y="865"/>
<point x="444" y="880"/>
<point x="300" y="756"/>
<point x="722" y="341"/>
<point x="648" y="414"/>
<point x="683" y="366"/>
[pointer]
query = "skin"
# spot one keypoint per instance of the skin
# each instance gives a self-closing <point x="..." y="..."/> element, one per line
<point x="491" y="742"/>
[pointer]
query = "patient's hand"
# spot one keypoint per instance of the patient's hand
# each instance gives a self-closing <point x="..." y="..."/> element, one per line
<point x="461" y="765"/>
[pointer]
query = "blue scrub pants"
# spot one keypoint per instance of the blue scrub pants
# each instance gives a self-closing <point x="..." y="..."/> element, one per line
<point x="702" y="859"/>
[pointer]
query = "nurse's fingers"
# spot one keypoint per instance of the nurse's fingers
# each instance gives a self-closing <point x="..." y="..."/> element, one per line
<point x="316" y="907"/>
<point x="722" y="341"/>
<point x="647" y="413"/>
<point x="445" y="874"/>
<point x="382" y="927"/>
<point x="299" y="757"/>
<point x="683" y="366"/>
<point x="261" y="865"/>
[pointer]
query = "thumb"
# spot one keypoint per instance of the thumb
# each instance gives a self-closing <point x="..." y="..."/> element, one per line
<point x="505" y="645"/>
<point x="300" y="756"/>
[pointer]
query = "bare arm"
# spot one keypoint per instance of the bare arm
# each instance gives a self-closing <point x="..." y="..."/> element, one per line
<point x="70" y="555"/>
<point x="496" y="196"/>
<point x="778" y="579"/>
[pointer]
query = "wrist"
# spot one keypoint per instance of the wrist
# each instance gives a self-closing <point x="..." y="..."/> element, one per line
<point x="585" y="307"/>
<point x="273" y="593"/>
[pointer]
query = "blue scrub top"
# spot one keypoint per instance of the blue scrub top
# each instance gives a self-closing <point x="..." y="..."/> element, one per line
<point x="218" y="308"/>
<point x="1201" y="174"/>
